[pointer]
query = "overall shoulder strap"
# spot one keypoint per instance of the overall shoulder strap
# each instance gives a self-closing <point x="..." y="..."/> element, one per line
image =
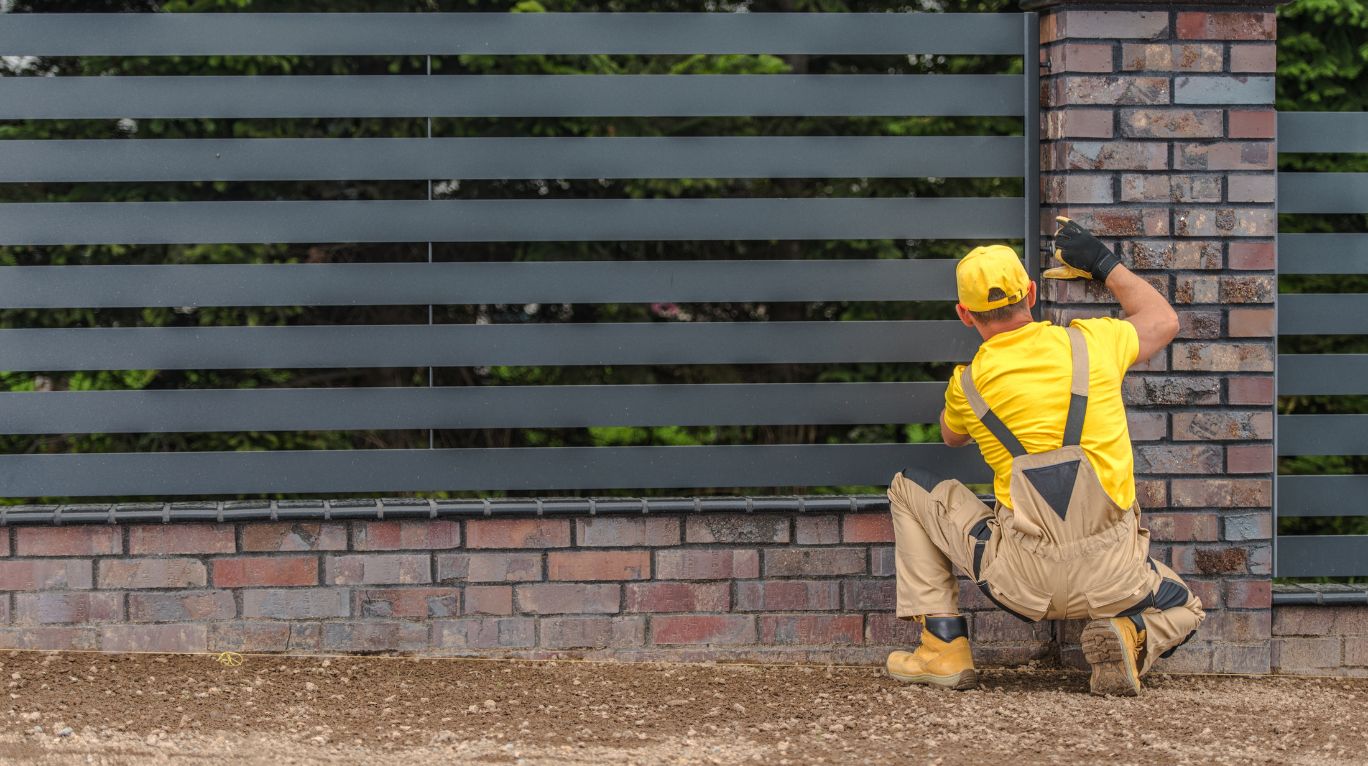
<point x="1078" y="387"/>
<point x="990" y="421"/>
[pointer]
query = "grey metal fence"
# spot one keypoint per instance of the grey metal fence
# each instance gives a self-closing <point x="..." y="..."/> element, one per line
<point x="1322" y="314"/>
<point x="559" y="468"/>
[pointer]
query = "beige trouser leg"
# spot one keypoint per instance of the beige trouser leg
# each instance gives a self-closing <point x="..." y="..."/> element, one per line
<point x="931" y="530"/>
<point x="1167" y="628"/>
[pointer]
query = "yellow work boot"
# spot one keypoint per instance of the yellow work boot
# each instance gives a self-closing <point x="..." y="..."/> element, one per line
<point x="1112" y="646"/>
<point x="943" y="659"/>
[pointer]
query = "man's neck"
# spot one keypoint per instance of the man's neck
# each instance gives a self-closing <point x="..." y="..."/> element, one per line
<point x="997" y="328"/>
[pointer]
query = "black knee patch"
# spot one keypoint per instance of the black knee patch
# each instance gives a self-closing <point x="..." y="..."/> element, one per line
<point x="1169" y="595"/>
<point x="947" y="629"/>
<point x="921" y="477"/>
<point x="1138" y="621"/>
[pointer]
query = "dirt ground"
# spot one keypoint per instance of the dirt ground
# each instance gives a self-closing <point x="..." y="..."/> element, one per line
<point x="73" y="708"/>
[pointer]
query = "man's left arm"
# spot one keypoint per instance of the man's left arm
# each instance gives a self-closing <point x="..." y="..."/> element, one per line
<point x="950" y="436"/>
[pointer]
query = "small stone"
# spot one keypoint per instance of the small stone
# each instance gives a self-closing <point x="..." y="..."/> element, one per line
<point x="65" y="731"/>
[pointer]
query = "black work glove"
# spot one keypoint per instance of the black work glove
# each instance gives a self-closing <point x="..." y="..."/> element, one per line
<point x="1082" y="254"/>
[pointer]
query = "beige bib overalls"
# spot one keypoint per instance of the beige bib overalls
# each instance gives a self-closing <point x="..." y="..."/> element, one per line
<point x="1065" y="550"/>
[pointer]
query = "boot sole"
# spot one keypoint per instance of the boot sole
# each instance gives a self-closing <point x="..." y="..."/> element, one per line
<point x="1113" y="672"/>
<point x="961" y="681"/>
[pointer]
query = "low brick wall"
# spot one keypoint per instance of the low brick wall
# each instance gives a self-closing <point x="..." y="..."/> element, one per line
<point x="1320" y="640"/>
<point x="763" y="586"/>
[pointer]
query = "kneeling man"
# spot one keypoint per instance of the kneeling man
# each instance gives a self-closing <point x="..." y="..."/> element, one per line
<point x="1064" y="540"/>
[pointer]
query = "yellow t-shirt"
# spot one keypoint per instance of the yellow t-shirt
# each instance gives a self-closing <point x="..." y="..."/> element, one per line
<point x="1024" y="374"/>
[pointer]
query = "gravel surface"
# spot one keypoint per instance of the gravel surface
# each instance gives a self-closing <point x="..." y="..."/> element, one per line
<point x="73" y="708"/>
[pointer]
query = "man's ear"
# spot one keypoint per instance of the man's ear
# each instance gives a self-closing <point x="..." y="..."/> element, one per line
<point x="964" y="315"/>
<point x="1031" y="295"/>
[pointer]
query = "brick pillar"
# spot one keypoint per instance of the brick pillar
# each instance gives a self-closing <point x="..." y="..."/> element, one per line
<point x="1157" y="127"/>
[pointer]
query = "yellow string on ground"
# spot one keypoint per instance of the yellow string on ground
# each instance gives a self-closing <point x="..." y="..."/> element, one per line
<point x="216" y="656"/>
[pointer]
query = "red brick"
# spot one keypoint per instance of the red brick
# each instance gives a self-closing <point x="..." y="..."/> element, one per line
<point x="1261" y="187"/>
<point x="48" y="638"/>
<point x="375" y="636"/>
<point x="811" y="629"/>
<point x="1151" y="493"/>
<point x="68" y="574"/>
<point x="592" y="632"/>
<point x="1078" y="189"/>
<point x="277" y="571"/>
<point x="484" y="633"/>
<point x="296" y="603"/>
<point x="881" y="561"/>
<point x="489" y="567"/>
<point x="1117" y="222"/>
<point x="800" y="562"/>
<point x="1249" y="458"/>
<point x="1203" y="25"/>
<point x="1169" y="255"/>
<point x="518" y="533"/>
<point x="4" y="541"/>
<point x="1237" y="289"/>
<point x="1222" y="425"/>
<point x="377" y="569"/>
<point x="410" y="534"/>
<point x="1223" y="357"/>
<point x="1161" y="57"/>
<point x="788" y="596"/>
<point x="867" y="528"/>
<point x="1225" y="222"/>
<point x="90" y="540"/>
<point x="1250" y="390"/>
<point x="1170" y="188"/>
<point x="61" y="608"/>
<point x="567" y="598"/>
<point x="817" y="530"/>
<point x="1077" y="123"/>
<point x="1171" y="390"/>
<point x="154" y="638"/>
<point x="736" y="528"/>
<point x="181" y="606"/>
<point x="1183" y="527"/>
<point x="678" y="597"/>
<point x="869" y="595"/>
<point x="598" y="565"/>
<point x="1238" y="627"/>
<point x="1249" y="594"/>
<point x="707" y="564"/>
<point x="619" y="531"/>
<point x="1080" y="57"/>
<point x="1108" y="155"/>
<point x="1252" y="323"/>
<point x="1111" y="24"/>
<point x="1147" y="426"/>
<point x="152" y="573"/>
<point x="488" y="599"/>
<point x="1172" y="123"/>
<point x="1199" y="324"/>
<point x="1178" y="458"/>
<point x="408" y="602"/>
<point x="1096" y="90"/>
<point x="288" y="536"/>
<point x="1210" y="560"/>
<point x="1252" y="123"/>
<point x="703" y="629"/>
<point x="1207" y="591"/>
<point x="1225" y="155"/>
<point x="181" y="538"/>
<point x="887" y="630"/>
<point x="250" y="637"/>
<point x="1221" y="493"/>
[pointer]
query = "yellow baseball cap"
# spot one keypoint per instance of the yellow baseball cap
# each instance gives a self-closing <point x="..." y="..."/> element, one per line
<point x="985" y="268"/>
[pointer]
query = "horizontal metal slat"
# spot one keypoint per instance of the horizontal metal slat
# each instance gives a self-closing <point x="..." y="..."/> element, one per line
<point x="1323" y="434"/>
<point x="1323" y="253"/>
<point x="1323" y="193"/>
<point x="75" y="98"/>
<point x="537" y="468"/>
<point x="1323" y="314"/>
<point x="390" y="284"/>
<point x="589" y="220"/>
<point x="1300" y="496"/>
<point x="1328" y="132"/>
<point x="645" y="343"/>
<point x="346" y="159"/>
<point x="170" y="411"/>
<point x="1322" y="555"/>
<point x="353" y="34"/>
<point x="1322" y="374"/>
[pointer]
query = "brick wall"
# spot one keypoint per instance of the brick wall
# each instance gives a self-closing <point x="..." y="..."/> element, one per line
<point x="1321" y="640"/>
<point x="1157" y="131"/>
<point x="705" y="586"/>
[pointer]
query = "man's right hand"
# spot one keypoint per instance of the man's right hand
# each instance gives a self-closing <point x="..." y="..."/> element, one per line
<point x="1082" y="254"/>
